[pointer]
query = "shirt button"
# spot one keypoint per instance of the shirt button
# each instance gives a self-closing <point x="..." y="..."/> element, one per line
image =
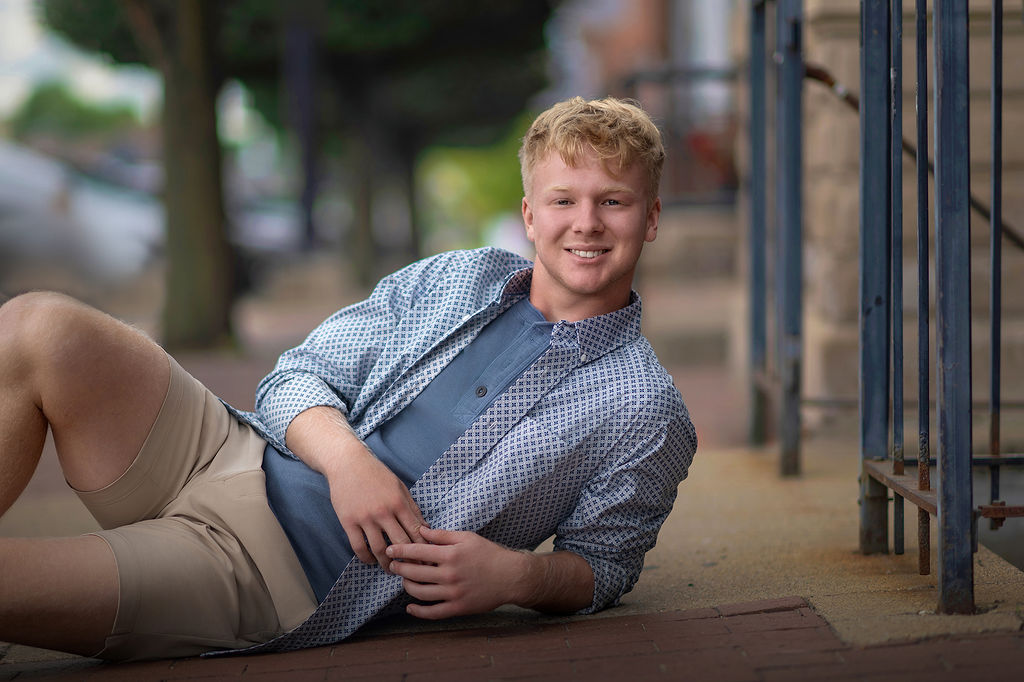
<point x="584" y="357"/>
<point x="481" y="391"/>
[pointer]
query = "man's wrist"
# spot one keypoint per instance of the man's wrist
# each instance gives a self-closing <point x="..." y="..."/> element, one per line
<point x="553" y="582"/>
<point x="532" y="570"/>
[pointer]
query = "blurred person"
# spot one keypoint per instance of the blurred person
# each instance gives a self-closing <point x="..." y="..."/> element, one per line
<point x="410" y="454"/>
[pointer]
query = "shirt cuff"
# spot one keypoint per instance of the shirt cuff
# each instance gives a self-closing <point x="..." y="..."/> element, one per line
<point x="292" y="396"/>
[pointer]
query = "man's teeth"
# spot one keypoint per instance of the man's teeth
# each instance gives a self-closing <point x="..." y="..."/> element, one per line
<point x="587" y="254"/>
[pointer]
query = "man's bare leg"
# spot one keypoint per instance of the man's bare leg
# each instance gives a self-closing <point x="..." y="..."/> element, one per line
<point x="98" y="385"/>
<point x="57" y="593"/>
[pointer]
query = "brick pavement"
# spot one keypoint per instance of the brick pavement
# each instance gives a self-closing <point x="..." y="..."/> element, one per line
<point x="763" y="641"/>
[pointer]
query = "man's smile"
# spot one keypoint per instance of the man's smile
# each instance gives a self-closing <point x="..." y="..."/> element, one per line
<point x="588" y="254"/>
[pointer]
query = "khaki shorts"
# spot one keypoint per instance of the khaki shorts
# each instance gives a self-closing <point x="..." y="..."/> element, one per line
<point x="202" y="562"/>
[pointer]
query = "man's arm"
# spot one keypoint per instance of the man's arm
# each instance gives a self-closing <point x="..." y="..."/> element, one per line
<point x="465" y="573"/>
<point x="373" y="505"/>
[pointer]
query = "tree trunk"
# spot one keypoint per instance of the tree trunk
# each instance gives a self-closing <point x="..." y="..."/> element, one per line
<point x="178" y="38"/>
<point x="200" y="263"/>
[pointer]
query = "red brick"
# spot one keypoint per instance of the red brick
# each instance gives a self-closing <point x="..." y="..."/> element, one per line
<point x="788" y="641"/>
<point x="719" y="665"/>
<point x="574" y="653"/>
<point x="762" y="606"/>
<point x="976" y="650"/>
<point x="130" y="672"/>
<point x="546" y="670"/>
<point x="892" y="659"/>
<point x="603" y="625"/>
<point x="785" y="620"/>
<point x="772" y="661"/>
<point x="309" y="675"/>
<point x="687" y="628"/>
<point x="668" y="643"/>
<point x="997" y="674"/>
<point x="689" y="614"/>
<point x="371" y="650"/>
<point x="500" y="645"/>
<point x="810" y="673"/>
<point x="446" y="676"/>
<point x="303" y="659"/>
<point x="403" y="666"/>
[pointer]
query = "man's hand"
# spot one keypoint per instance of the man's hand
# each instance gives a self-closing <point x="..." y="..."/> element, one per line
<point x="465" y="573"/>
<point x="373" y="505"/>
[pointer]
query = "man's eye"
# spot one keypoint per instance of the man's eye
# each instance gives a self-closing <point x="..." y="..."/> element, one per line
<point x="562" y="202"/>
<point x="613" y="202"/>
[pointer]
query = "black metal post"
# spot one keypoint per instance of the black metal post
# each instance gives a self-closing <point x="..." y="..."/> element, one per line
<point x="758" y="207"/>
<point x="953" y="306"/>
<point x="874" y="268"/>
<point x="896" y="267"/>
<point x="789" y="23"/>
<point x="923" y="286"/>
<point x="995" y="250"/>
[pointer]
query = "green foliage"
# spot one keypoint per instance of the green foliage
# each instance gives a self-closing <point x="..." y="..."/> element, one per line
<point x="52" y="109"/>
<point x="94" y="25"/>
<point x="467" y="188"/>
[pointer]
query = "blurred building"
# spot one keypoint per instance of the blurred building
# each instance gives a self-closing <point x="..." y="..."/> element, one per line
<point x="675" y="57"/>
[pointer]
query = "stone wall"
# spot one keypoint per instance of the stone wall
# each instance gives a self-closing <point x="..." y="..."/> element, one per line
<point x="831" y="206"/>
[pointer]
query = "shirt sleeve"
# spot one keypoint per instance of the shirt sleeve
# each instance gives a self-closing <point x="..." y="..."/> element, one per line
<point x="620" y="512"/>
<point x="330" y="367"/>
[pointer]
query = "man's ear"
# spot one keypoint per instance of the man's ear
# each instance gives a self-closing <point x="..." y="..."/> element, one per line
<point x="653" y="215"/>
<point x="528" y="218"/>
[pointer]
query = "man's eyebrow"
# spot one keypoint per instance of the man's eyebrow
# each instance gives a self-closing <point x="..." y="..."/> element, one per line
<point x="609" y="189"/>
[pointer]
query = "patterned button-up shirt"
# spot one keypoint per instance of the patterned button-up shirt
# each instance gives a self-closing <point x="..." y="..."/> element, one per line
<point x="589" y="444"/>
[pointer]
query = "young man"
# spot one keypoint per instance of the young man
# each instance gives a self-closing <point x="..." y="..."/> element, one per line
<point x="409" y="454"/>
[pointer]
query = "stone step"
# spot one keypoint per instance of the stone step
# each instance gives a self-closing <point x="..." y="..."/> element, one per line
<point x="693" y="323"/>
<point x="694" y="243"/>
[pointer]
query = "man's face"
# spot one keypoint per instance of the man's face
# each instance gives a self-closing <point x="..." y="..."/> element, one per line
<point x="588" y="228"/>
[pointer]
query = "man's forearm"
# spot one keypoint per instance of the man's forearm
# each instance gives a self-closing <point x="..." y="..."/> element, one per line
<point x="319" y="437"/>
<point x="557" y="582"/>
<point x="373" y="506"/>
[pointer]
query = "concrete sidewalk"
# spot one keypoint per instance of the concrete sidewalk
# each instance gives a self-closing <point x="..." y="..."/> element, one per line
<point x="754" y="577"/>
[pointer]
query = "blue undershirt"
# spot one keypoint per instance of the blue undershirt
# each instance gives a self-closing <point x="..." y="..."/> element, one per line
<point x="410" y="442"/>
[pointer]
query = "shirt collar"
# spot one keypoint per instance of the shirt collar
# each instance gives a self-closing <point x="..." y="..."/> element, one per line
<point x="595" y="335"/>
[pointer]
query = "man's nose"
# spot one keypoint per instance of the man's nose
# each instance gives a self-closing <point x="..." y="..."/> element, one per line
<point x="588" y="218"/>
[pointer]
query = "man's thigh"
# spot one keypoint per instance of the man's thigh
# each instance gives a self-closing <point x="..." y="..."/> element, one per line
<point x="98" y="382"/>
<point x="202" y="562"/>
<point x="57" y="593"/>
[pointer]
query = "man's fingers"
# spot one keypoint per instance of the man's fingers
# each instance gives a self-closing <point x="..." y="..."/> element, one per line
<point x="416" y="571"/>
<point x="412" y="521"/>
<point x="426" y="592"/>
<point x="396" y="534"/>
<point x="423" y="553"/>
<point x="440" y="536"/>
<point x="432" y="611"/>
<point x="378" y="545"/>
<point x="357" y="542"/>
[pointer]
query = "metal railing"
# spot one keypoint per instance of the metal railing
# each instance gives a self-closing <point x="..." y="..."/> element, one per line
<point x="882" y="147"/>
<point x="784" y="377"/>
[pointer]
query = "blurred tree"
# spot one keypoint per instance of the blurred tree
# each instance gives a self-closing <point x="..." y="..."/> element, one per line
<point x="52" y="109"/>
<point x="178" y="38"/>
<point x="396" y="78"/>
<point x="393" y="77"/>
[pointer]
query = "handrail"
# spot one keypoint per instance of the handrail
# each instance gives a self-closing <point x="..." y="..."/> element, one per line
<point x="820" y="74"/>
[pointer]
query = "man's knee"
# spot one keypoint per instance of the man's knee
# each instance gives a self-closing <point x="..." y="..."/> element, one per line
<point x="28" y="320"/>
<point x="47" y="330"/>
